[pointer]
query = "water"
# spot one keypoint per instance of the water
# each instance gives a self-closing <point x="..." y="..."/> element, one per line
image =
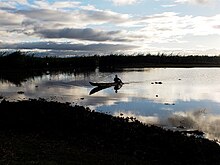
<point x="169" y="97"/>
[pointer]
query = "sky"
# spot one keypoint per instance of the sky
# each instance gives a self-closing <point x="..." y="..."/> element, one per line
<point x="77" y="27"/>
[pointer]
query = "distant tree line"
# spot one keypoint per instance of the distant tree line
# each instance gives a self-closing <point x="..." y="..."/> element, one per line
<point x="20" y="60"/>
<point x="112" y="61"/>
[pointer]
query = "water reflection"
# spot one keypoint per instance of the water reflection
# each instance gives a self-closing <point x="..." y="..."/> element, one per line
<point x="96" y="89"/>
<point x="192" y="120"/>
<point x="99" y="88"/>
<point x="171" y="97"/>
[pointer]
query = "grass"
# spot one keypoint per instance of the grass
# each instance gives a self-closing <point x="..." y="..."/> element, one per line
<point x="41" y="132"/>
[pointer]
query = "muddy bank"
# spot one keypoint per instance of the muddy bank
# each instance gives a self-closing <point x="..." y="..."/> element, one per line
<point x="41" y="132"/>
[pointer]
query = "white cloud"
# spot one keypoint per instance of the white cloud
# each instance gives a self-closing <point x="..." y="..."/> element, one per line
<point x="19" y="1"/>
<point x="10" y="19"/>
<point x="168" y="6"/>
<point x="124" y="2"/>
<point x="170" y="27"/>
<point x="55" y="5"/>
<point x="7" y="5"/>
<point x="195" y="1"/>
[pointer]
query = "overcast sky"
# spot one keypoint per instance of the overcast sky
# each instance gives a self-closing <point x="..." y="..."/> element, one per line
<point x="68" y="27"/>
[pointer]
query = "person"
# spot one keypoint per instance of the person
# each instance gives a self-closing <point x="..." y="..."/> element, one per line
<point x="117" y="80"/>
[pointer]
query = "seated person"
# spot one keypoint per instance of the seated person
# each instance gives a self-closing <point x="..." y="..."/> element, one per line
<point x="117" y="80"/>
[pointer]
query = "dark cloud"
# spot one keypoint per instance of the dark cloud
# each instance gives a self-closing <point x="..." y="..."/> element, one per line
<point x="67" y="46"/>
<point x="8" y="8"/>
<point x="82" y="34"/>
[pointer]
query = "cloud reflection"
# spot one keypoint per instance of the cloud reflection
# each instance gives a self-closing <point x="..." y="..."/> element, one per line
<point x="200" y="120"/>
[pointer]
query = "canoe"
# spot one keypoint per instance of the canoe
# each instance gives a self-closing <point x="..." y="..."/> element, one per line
<point x="105" y="84"/>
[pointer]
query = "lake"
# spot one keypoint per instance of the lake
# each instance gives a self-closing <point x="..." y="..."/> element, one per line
<point x="186" y="98"/>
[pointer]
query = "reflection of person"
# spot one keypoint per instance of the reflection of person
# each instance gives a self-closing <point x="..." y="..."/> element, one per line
<point x="117" y="80"/>
<point x="117" y="87"/>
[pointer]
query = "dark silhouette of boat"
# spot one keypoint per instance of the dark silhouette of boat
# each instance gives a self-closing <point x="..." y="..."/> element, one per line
<point x="101" y="86"/>
<point x="105" y="84"/>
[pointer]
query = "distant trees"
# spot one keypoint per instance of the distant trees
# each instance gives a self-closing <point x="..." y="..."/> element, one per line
<point x="20" y="60"/>
<point x="113" y="61"/>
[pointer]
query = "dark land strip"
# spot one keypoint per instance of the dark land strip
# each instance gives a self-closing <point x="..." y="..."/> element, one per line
<point x="19" y="60"/>
<point x="41" y="132"/>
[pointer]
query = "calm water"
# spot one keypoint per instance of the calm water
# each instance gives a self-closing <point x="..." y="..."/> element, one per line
<point x="169" y="97"/>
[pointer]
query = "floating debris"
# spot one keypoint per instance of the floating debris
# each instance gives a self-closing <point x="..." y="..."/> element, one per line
<point x="20" y="92"/>
<point x="158" y="82"/>
<point x="181" y="127"/>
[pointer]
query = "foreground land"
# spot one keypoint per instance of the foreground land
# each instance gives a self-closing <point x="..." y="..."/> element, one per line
<point x="41" y="132"/>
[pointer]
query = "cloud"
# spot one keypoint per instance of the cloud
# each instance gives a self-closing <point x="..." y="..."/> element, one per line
<point x="168" y="6"/>
<point x="21" y="1"/>
<point x="124" y="2"/>
<point x="67" y="46"/>
<point x="75" y="18"/>
<point x="7" y="6"/>
<point x="199" y="120"/>
<point x="170" y="27"/>
<point x="10" y="19"/>
<point x="195" y="1"/>
<point x="55" y="5"/>
<point x="82" y="34"/>
<point x="216" y="26"/>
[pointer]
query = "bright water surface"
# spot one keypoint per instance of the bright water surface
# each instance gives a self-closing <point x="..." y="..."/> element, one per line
<point x="188" y="97"/>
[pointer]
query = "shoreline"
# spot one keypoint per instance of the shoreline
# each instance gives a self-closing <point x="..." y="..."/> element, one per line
<point x="45" y="132"/>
